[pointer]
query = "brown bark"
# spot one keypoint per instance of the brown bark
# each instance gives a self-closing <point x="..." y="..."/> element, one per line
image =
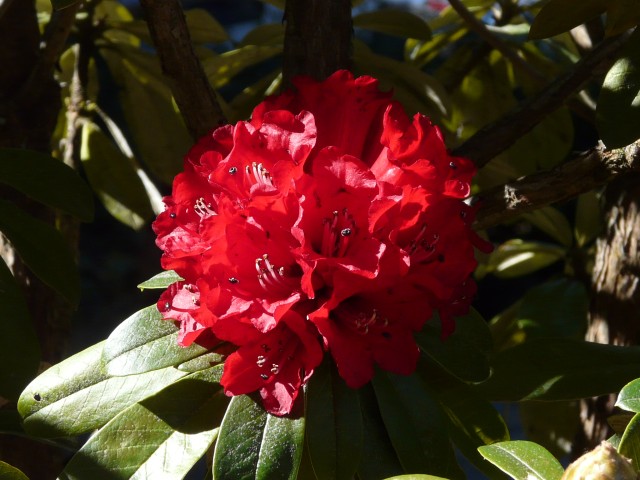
<point x="317" y="38"/>
<point x="615" y="295"/>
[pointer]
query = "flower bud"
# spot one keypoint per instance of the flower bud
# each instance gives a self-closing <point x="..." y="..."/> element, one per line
<point x="601" y="463"/>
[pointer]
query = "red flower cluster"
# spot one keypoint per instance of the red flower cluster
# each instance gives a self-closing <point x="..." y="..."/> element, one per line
<point x="329" y="221"/>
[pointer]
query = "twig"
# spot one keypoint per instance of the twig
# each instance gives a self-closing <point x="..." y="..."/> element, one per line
<point x="189" y="84"/>
<point x="493" y="139"/>
<point x="579" y="175"/>
<point x="479" y="27"/>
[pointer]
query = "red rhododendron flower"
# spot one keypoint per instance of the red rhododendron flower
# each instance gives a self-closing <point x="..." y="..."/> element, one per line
<point x="330" y="221"/>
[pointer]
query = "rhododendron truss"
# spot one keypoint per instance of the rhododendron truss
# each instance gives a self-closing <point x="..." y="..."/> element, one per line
<point x="330" y="221"/>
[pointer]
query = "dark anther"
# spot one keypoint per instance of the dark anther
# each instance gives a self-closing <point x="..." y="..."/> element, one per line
<point x="386" y="335"/>
<point x="441" y="258"/>
<point x="345" y="232"/>
<point x="172" y="215"/>
<point x="233" y="280"/>
<point x="453" y="165"/>
<point x="37" y="397"/>
<point x="264" y="376"/>
<point x="233" y="170"/>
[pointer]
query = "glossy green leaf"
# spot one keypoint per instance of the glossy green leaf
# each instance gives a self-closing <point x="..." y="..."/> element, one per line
<point x="465" y="352"/>
<point x="393" y="22"/>
<point x="589" y="223"/>
<point x="145" y="342"/>
<point x="9" y="472"/>
<point x="415" y="424"/>
<point x="19" y="347"/>
<point x="559" y="16"/>
<point x="47" y="180"/>
<point x="221" y="69"/>
<point x="380" y="457"/>
<point x="618" y="111"/>
<point x="255" y="444"/>
<point x="334" y="425"/>
<point x="560" y="369"/>
<point x="552" y="222"/>
<point x="516" y="257"/>
<point x="113" y="178"/>
<point x="619" y="421"/>
<point x="161" y="437"/>
<point x="77" y="396"/>
<point x="60" y="4"/>
<point x="42" y="249"/>
<point x="202" y="362"/>
<point x="523" y="460"/>
<point x="629" y="397"/>
<point x="161" y="280"/>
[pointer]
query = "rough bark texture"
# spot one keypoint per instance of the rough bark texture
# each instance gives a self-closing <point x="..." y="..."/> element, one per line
<point x="615" y="295"/>
<point x="317" y="38"/>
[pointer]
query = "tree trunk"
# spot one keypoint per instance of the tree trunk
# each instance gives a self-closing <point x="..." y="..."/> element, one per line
<point x="615" y="296"/>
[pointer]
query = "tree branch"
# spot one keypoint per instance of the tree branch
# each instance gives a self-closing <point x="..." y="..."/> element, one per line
<point x="579" y="175"/>
<point x="317" y="38"/>
<point x="191" y="89"/>
<point x="493" y="139"/>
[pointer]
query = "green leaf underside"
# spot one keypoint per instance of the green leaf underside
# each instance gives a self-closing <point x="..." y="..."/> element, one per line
<point x="630" y="442"/>
<point x="161" y="437"/>
<point x="523" y="460"/>
<point x="42" y="249"/>
<point x="255" y="444"/>
<point x="560" y="369"/>
<point x="415" y="425"/>
<point x="465" y="352"/>
<point x="334" y="425"/>
<point x="145" y="342"/>
<point x="9" y="472"/>
<point x="46" y="180"/>
<point x="161" y="280"/>
<point x="77" y="396"/>
<point x="19" y="359"/>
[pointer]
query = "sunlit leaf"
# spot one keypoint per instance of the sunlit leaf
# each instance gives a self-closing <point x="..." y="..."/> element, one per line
<point x="523" y="460"/>
<point x="145" y="342"/>
<point x="629" y="397"/>
<point x="46" y="180"/>
<point x="161" y="280"/>
<point x="43" y="249"/>
<point x="77" y="395"/>
<point x="221" y="69"/>
<point x="9" y="472"/>
<point x="630" y="442"/>
<point x="518" y="257"/>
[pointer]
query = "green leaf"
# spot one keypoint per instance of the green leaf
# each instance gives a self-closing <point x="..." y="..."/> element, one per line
<point x="46" y="180"/>
<point x="618" y="111"/>
<point x="393" y="22"/>
<point x="552" y="222"/>
<point x="203" y="28"/>
<point x="465" y="352"/>
<point x="19" y="347"/>
<point x="77" y="396"/>
<point x="221" y="69"/>
<point x="415" y="424"/>
<point x="9" y="472"/>
<point x="621" y="16"/>
<point x="202" y="362"/>
<point x="552" y="425"/>
<point x="559" y="16"/>
<point x="255" y="444"/>
<point x="516" y="257"/>
<point x="629" y="397"/>
<point x="588" y="224"/>
<point x="381" y="458"/>
<point x="415" y="477"/>
<point x="269" y="34"/>
<point x="334" y="425"/>
<point x="523" y="460"/>
<point x="42" y="249"/>
<point x="145" y="342"/>
<point x="113" y="178"/>
<point x="560" y="369"/>
<point x="161" y="280"/>
<point x="60" y="4"/>
<point x="161" y="437"/>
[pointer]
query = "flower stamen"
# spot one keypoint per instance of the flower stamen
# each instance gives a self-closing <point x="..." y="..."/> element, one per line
<point x="203" y="209"/>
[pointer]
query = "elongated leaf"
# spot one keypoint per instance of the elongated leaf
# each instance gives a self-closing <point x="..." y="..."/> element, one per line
<point x="415" y="425"/>
<point x="42" y="249"/>
<point x="560" y="369"/>
<point x="9" y="472"/>
<point x="551" y="221"/>
<point x="145" y="342"/>
<point x="202" y="362"/>
<point x="589" y="220"/>
<point x="203" y="28"/>
<point x="161" y="437"/>
<point x="618" y="112"/>
<point x="77" y="396"/>
<point x="465" y="352"/>
<point x="393" y="22"/>
<point x="113" y="178"/>
<point x="559" y="16"/>
<point x="221" y="69"/>
<point x="516" y="257"/>
<point x="334" y="425"/>
<point x="255" y="444"/>
<point x="380" y="457"/>
<point x="523" y="460"/>
<point x="629" y="397"/>
<point x="630" y="442"/>
<point x="19" y="348"/>
<point x="47" y="180"/>
<point x="161" y="280"/>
